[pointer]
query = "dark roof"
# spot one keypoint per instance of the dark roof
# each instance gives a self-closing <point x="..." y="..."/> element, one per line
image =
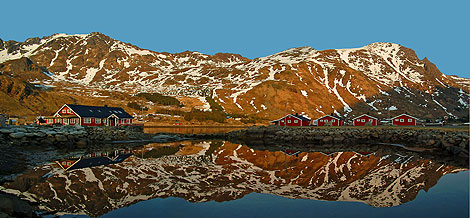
<point x="334" y="116"/>
<point x="300" y="117"/>
<point x="98" y="112"/>
<point x="365" y="115"/>
<point x="98" y="161"/>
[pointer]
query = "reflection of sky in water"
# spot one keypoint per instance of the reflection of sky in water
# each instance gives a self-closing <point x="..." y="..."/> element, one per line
<point x="449" y="198"/>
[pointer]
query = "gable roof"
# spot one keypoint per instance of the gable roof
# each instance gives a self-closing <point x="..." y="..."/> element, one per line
<point x="365" y="115"/>
<point x="405" y="115"/>
<point x="98" y="111"/>
<point x="335" y="117"/>
<point x="300" y="117"/>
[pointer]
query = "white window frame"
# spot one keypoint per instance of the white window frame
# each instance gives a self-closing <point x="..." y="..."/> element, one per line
<point x="296" y="121"/>
<point x="288" y="121"/>
<point x="98" y="120"/>
<point x="410" y="120"/>
<point x="57" y="120"/>
<point x="73" y="121"/>
<point x="87" y="120"/>
<point x="402" y="120"/>
<point x="65" y="121"/>
<point x="397" y="119"/>
<point x="363" y="120"/>
<point x="64" y="111"/>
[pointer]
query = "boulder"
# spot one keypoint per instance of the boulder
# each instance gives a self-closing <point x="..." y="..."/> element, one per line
<point x="327" y="139"/>
<point x="17" y="135"/>
<point x="14" y="206"/>
<point x="81" y="143"/>
<point x="6" y="130"/>
<point x="61" y="138"/>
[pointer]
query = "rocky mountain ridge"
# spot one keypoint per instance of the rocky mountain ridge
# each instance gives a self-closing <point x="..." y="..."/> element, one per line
<point x="378" y="78"/>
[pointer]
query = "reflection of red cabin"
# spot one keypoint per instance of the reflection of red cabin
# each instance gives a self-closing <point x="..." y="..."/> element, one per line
<point x="70" y="114"/>
<point x="292" y="120"/>
<point x="365" y="120"/>
<point x="329" y="120"/>
<point x="404" y="120"/>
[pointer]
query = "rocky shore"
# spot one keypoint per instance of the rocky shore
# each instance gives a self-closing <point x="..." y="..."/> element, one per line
<point x="24" y="145"/>
<point x="67" y="136"/>
<point x="453" y="142"/>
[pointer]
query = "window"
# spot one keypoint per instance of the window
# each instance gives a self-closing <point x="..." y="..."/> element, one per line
<point x="50" y="121"/>
<point x="73" y="120"/>
<point x="410" y="120"/>
<point x="282" y="121"/>
<point x="123" y="120"/>
<point x="97" y="120"/>
<point x="295" y="121"/>
<point x="402" y="120"/>
<point x="66" y="121"/>
<point x="86" y="120"/>
<point x="334" y="121"/>
<point x="64" y="111"/>
<point x="57" y="120"/>
<point x="288" y="121"/>
<point x="363" y="120"/>
<point x="396" y="119"/>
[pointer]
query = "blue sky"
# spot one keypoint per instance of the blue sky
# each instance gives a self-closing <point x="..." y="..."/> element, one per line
<point x="438" y="30"/>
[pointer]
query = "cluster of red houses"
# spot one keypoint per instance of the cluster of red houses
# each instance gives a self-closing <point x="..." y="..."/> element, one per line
<point x="84" y="115"/>
<point x="331" y="120"/>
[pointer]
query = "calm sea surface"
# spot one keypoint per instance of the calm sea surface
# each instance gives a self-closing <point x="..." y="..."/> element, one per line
<point x="190" y="130"/>
<point x="223" y="179"/>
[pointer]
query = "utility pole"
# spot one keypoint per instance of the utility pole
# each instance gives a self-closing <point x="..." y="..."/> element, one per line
<point x="285" y="114"/>
<point x="388" y="111"/>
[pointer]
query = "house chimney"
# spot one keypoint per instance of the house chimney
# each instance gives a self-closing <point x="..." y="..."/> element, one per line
<point x="105" y="105"/>
<point x="297" y="114"/>
<point x="331" y="114"/>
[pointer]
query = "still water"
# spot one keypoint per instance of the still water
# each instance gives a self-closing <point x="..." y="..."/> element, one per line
<point x="223" y="179"/>
<point x="190" y="130"/>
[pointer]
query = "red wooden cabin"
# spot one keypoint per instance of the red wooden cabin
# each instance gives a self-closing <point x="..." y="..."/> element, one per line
<point x="292" y="120"/>
<point x="329" y="120"/>
<point x="404" y="120"/>
<point x="70" y="114"/>
<point x="365" y="120"/>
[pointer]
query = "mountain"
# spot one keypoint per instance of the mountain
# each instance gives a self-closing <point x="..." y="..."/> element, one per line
<point x="222" y="171"/>
<point x="380" y="78"/>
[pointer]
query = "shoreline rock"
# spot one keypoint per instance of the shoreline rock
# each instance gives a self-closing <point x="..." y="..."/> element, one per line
<point x="451" y="142"/>
<point x="69" y="137"/>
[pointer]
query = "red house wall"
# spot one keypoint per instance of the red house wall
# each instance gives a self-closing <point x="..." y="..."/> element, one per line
<point x="337" y="122"/>
<point x="67" y="112"/>
<point x="358" y="122"/>
<point x="92" y="123"/>
<point x="396" y="121"/>
<point x="290" y="121"/>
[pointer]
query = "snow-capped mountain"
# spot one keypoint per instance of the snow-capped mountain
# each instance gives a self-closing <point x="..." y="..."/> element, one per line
<point x="230" y="172"/>
<point x="375" y="78"/>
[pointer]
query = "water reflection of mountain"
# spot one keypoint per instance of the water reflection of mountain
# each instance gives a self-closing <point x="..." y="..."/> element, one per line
<point x="222" y="171"/>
